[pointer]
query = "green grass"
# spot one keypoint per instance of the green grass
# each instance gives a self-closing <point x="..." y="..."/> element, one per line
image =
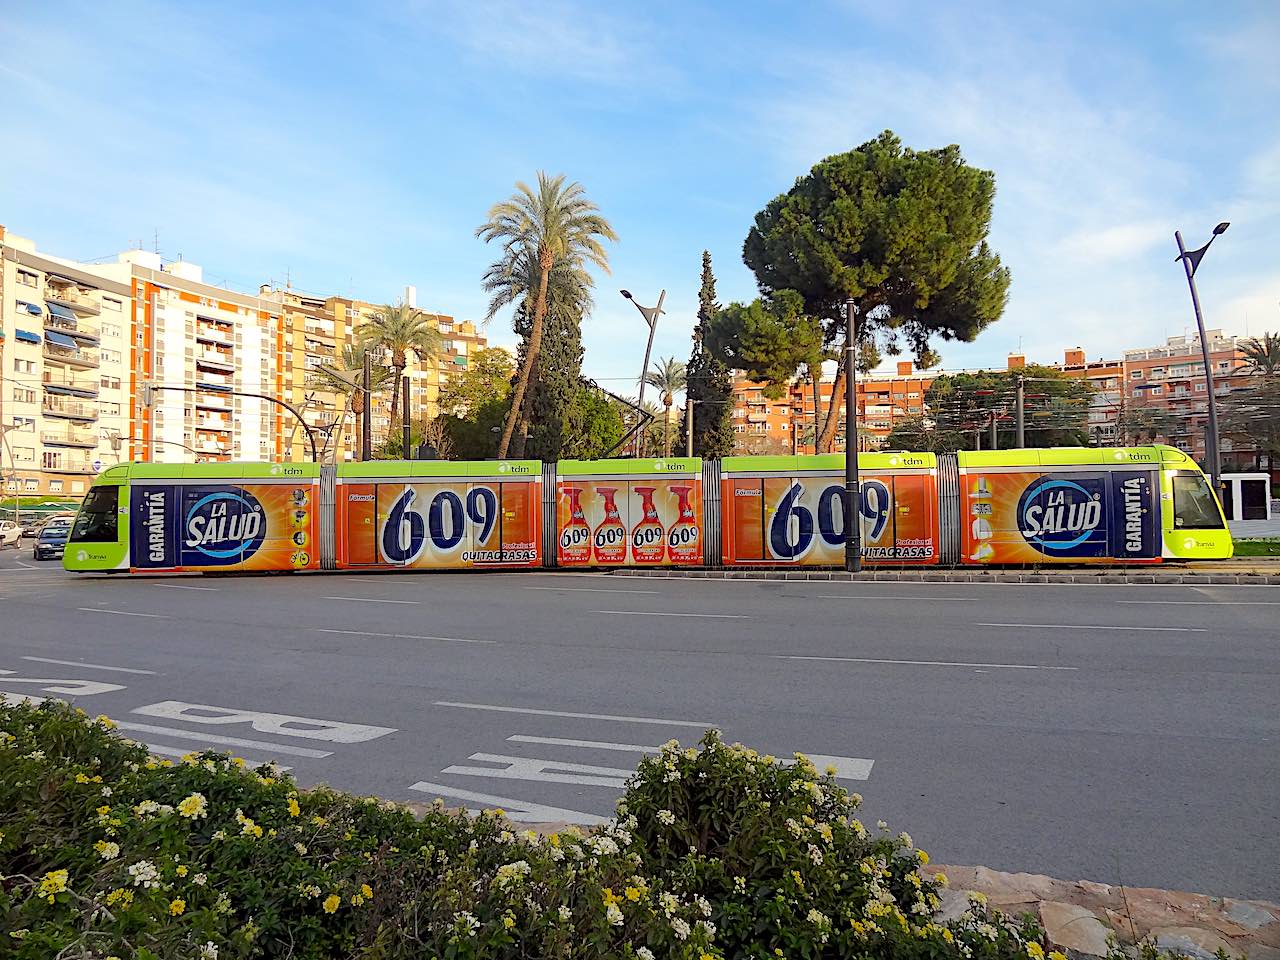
<point x="1257" y="548"/>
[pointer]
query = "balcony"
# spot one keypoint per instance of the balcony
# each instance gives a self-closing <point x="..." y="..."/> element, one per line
<point x="213" y="423"/>
<point x="57" y="463"/>
<point x="318" y="331"/>
<point x="69" y="438"/>
<point x="213" y="379"/>
<point x="214" y="358"/>
<point x="318" y="348"/>
<point x="54" y="405"/>
<point x="57" y="380"/>
<point x="81" y="330"/>
<point x="69" y="296"/>
<point x="213" y="401"/>
<point x="74" y="356"/>
<point x="215" y="332"/>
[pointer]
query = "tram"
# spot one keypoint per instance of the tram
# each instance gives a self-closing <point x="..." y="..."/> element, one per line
<point x="1028" y="507"/>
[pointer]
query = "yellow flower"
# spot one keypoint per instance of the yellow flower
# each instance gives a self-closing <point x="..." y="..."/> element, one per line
<point x="632" y="894"/>
<point x="1057" y="955"/>
<point x="508" y="921"/>
<point x="941" y="879"/>
<point x="366" y="891"/>
<point x="53" y="882"/>
<point x="194" y="807"/>
<point x="318" y="820"/>
<point x="176" y="907"/>
<point x="1035" y="951"/>
<point x="357" y="900"/>
<point x="610" y="898"/>
<point x="103" y="720"/>
<point x="294" y="809"/>
<point x="181" y="871"/>
<point x="924" y="857"/>
<point x="948" y="936"/>
<point x="554" y="840"/>
<point x="707" y="956"/>
<point x="331" y="903"/>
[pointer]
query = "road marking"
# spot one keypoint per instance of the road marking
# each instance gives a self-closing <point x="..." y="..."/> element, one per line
<point x="867" y="596"/>
<point x="83" y="688"/>
<point x="545" y="771"/>
<point x="18" y="699"/>
<point x="652" y="613"/>
<point x="847" y="768"/>
<point x="182" y="586"/>
<point x="224" y="741"/>
<point x="927" y="663"/>
<point x="399" y="636"/>
<point x="701" y="724"/>
<point x="26" y="565"/>
<point x="1091" y="626"/>
<point x="90" y="666"/>
<point x="371" y="600"/>
<point x="591" y="590"/>
<point x="279" y="723"/>
<point x="161" y="750"/>
<point x="517" y="810"/>
<point x="122" y="613"/>
<point x="1207" y="603"/>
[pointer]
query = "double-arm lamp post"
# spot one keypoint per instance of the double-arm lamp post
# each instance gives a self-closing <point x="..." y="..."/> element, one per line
<point x="1190" y="261"/>
<point x="650" y="315"/>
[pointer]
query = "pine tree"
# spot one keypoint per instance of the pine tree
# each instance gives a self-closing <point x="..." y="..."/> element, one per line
<point x="709" y="382"/>
<point x="554" y="387"/>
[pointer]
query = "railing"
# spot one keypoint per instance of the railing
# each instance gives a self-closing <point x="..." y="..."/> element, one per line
<point x="71" y="383"/>
<point x="319" y="331"/>
<point x="57" y="464"/>
<point x="221" y="426"/>
<point x="86" y="358"/>
<point x="213" y="356"/>
<point x="75" y="438"/>
<point x="56" y="406"/>
<point x="211" y="331"/>
<point x="75" y="327"/>
<point x="213" y="400"/>
<point x="72" y="298"/>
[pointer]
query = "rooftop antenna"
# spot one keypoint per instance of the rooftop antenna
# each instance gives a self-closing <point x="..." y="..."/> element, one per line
<point x="156" y="241"/>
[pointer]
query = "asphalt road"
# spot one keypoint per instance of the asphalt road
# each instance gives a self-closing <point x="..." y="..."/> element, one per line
<point x="1118" y="734"/>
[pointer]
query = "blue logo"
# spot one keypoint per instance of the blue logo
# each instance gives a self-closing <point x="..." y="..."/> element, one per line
<point x="1062" y="517"/>
<point x="227" y="526"/>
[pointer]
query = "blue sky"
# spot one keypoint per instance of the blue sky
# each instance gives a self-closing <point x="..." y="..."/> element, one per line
<point x="357" y="146"/>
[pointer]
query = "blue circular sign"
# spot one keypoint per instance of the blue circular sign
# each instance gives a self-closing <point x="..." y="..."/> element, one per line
<point x="227" y="526"/>
<point x="1061" y="517"/>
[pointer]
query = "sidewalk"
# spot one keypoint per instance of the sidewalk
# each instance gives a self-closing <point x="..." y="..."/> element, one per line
<point x="1250" y="571"/>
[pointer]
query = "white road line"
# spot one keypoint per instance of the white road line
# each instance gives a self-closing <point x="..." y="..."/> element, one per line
<point x="657" y="721"/>
<point x="223" y="741"/>
<point x="182" y="586"/>
<point x="280" y="724"/>
<point x="868" y="596"/>
<point x="18" y="699"/>
<point x="1091" y="626"/>
<point x="91" y="666"/>
<point x="652" y="613"/>
<point x="370" y="600"/>
<point x="925" y="663"/>
<point x="161" y="750"/>
<point x="1207" y="603"/>
<point x="122" y="613"/>
<point x="25" y="565"/>
<point x="542" y="771"/>
<point x="399" y="636"/>
<point x="517" y="810"/>
<point x="589" y="744"/>
<point x="591" y="590"/>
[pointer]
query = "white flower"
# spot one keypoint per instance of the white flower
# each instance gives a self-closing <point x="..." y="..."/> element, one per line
<point x="145" y="875"/>
<point x="301" y="848"/>
<point x="199" y="879"/>
<point x="680" y="929"/>
<point x="644" y="953"/>
<point x="817" y="918"/>
<point x="906" y="839"/>
<point x="666" y="817"/>
<point x="566" y="914"/>
<point x="671" y="776"/>
<point x="466" y="923"/>
<point x="704" y="908"/>
<point x="669" y="903"/>
<point x="511" y="873"/>
<point x="880" y="824"/>
<point x="106" y="791"/>
<point x="613" y="914"/>
<point x="740" y="884"/>
<point x="708" y="927"/>
<point x="209" y="951"/>
<point x="602" y="845"/>
<point x="108" y="850"/>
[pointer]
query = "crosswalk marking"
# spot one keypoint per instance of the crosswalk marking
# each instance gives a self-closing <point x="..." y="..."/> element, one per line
<point x="548" y="771"/>
<point x="518" y="810"/>
<point x="224" y="741"/>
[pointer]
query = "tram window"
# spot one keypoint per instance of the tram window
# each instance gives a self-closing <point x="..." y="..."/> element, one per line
<point x="97" y="521"/>
<point x="1194" y="507"/>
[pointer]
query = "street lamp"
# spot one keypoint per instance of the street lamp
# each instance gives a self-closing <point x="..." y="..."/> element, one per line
<point x="1190" y="262"/>
<point x="852" y="486"/>
<point x="650" y="315"/>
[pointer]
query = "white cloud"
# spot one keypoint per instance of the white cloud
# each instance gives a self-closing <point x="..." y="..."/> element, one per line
<point x="1121" y="242"/>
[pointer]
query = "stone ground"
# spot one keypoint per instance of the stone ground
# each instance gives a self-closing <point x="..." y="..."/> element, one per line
<point x="1080" y="916"/>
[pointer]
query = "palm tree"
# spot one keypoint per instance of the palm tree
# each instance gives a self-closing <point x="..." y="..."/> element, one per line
<point x="398" y="331"/>
<point x="350" y="371"/>
<point x="1263" y="355"/>
<point x="555" y="224"/>
<point x="667" y="375"/>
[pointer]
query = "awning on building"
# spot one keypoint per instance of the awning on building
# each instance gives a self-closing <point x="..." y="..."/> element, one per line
<point x="27" y="335"/>
<point x="61" y="339"/>
<point x="60" y="311"/>
<point x="31" y="308"/>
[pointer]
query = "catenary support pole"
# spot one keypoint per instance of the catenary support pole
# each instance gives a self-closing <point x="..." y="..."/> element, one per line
<point x="366" y="416"/>
<point x="407" y="431"/>
<point x="852" y="486"/>
<point x="1021" y="412"/>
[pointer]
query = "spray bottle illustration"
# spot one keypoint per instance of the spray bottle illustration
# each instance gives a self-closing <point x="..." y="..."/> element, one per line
<point x="575" y="537"/>
<point x="683" y="541"/>
<point x="648" y="536"/>
<point x="981" y="509"/>
<point x="610" y="538"/>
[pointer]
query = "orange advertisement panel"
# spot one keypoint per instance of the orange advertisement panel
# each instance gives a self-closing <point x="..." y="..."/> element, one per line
<point x="655" y="521"/>
<point x="800" y="520"/>
<point x="437" y="524"/>
<point x="231" y="527"/>
<point x="1059" y="516"/>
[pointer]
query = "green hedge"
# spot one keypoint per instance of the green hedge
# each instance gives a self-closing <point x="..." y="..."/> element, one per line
<point x="717" y="852"/>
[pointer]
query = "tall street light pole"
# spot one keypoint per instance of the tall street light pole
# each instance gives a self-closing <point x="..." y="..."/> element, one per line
<point x="1190" y="261"/>
<point x="852" y="486"/>
<point x="650" y="315"/>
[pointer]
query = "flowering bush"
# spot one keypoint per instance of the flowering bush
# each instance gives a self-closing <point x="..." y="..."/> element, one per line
<point x="107" y="852"/>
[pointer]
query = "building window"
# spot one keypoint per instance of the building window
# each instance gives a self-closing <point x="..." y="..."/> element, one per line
<point x="111" y="383"/>
<point x="1135" y="375"/>
<point x="32" y="486"/>
<point x="55" y="486"/>
<point x="24" y="366"/>
<point x="110" y="303"/>
<point x="111" y="331"/>
<point x="77" y="486"/>
<point x="1156" y="391"/>
<point x="25" y="423"/>
<point x="24" y="454"/>
<point x="23" y="395"/>
<point x="28" y="279"/>
<point x="1200" y="388"/>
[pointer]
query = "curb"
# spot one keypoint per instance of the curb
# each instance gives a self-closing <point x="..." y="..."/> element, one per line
<point x="1252" y="579"/>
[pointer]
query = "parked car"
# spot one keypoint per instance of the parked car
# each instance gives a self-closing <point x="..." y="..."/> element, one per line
<point x="10" y="534"/>
<point x="51" y="541"/>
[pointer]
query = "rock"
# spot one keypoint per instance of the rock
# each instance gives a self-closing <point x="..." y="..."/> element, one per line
<point x="1074" y="928"/>
<point x="953" y="905"/>
<point x="1251" y="916"/>
<point x="1195" y="942"/>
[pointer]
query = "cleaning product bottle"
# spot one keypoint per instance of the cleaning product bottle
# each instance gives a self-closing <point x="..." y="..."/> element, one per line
<point x="684" y="542"/>
<point x="575" y="537"/>
<point x="610" y="538"/>
<point x="981" y="509"/>
<point x="648" y="536"/>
